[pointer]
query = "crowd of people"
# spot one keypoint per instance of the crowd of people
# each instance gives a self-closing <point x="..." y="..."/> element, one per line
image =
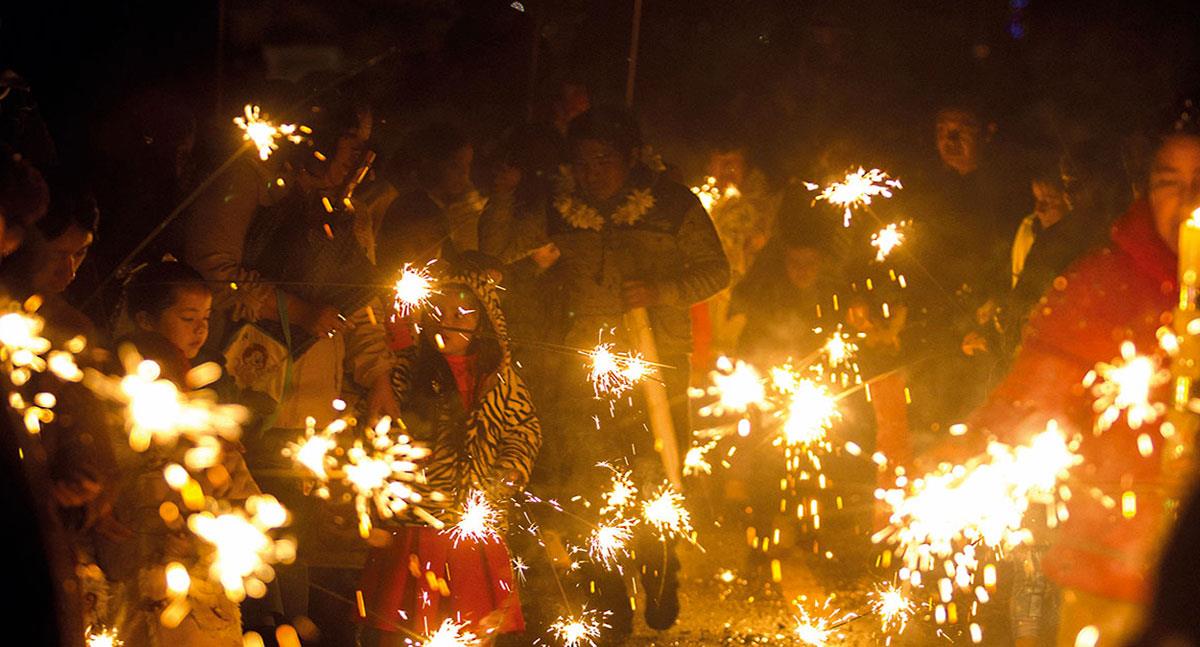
<point x="1017" y="273"/>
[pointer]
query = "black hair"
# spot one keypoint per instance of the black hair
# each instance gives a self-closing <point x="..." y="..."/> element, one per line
<point x="433" y="371"/>
<point x="1183" y="118"/>
<point x="71" y="204"/>
<point x="23" y="192"/>
<point x="1046" y="166"/>
<point x="613" y="126"/>
<point x="154" y="287"/>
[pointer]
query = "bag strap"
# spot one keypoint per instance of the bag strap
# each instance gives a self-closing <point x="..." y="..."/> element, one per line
<point x="268" y="423"/>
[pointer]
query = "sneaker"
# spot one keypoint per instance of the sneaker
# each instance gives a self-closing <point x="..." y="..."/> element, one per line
<point x="662" y="594"/>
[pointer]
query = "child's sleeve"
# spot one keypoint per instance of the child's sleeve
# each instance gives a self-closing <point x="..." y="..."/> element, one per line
<point x="522" y="437"/>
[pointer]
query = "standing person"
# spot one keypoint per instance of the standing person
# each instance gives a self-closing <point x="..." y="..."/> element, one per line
<point x="628" y="238"/>
<point x="1100" y="560"/>
<point x="463" y="399"/>
<point x="276" y="254"/>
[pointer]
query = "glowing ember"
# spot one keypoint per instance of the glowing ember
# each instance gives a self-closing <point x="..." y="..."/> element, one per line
<point x="810" y="414"/>
<point x="381" y="472"/>
<point x="102" y="637"/>
<point x="948" y="512"/>
<point x="696" y="460"/>
<point x="622" y="494"/>
<point x="413" y="289"/>
<point x="887" y="239"/>
<point x="818" y="630"/>
<point x="452" y="634"/>
<point x="839" y="349"/>
<point x="892" y="607"/>
<point x="611" y="374"/>
<point x="21" y="339"/>
<point x="259" y="130"/>
<point x="738" y="387"/>
<point x="857" y="190"/>
<point x="578" y="631"/>
<point x="479" y="521"/>
<point x="243" y="551"/>
<point x="1126" y="385"/>
<point x="710" y="194"/>
<point x="666" y="513"/>
<point x="608" y="542"/>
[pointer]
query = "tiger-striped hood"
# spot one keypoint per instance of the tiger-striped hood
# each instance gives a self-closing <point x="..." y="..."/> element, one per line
<point x="487" y="291"/>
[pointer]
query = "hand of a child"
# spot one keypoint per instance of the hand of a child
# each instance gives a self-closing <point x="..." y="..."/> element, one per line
<point x="381" y="401"/>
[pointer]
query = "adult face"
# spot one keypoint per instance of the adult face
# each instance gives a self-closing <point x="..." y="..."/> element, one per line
<point x="959" y="140"/>
<point x="185" y="322"/>
<point x="599" y="169"/>
<point x="456" y="173"/>
<point x="728" y="167"/>
<point x="1049" y="203"/>
<point x="1174" y="185"/>
<point x="454" y="318"/>
<point x="803" y="266"/>
<point x="59" y="260"/>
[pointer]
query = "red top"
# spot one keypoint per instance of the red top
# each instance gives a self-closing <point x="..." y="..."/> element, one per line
<point x="463" y="367"/>
<point x="1124" y="292"/>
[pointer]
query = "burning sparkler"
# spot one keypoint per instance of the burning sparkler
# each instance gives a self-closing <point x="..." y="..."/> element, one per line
<point x="611" y="374"/>
<point x="666" y="513"/>
<point x="478" y="522"/>
<point x="452" y="634"/>
<point x="102" y="637"/>
<point x="839" y="349"/>
<point x="1127" y="385"/>
<point x="887" y="239"/>
<point x="819" y="629"/>
<point x="413" y="289"/>
<point x="696" y="460"/>
<point x="810" y="414"/>
<point x="22" y="344"/>
<point x="609" y="541"/>
<point x="892" y="607"/>
<point x="581" y="630"/>
<point x="258" y="130"/>
<point x="381" y="472"/>
<point x="312" y="452"/>
<point x="857" y="190"/>
<point x="737" y="385"/>
<point x="621" y="495"/>
<point x="710" y="194"/>
<point x="243" y="551"/>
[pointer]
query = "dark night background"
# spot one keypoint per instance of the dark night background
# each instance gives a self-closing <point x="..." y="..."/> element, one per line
<point x="784" y="75"/>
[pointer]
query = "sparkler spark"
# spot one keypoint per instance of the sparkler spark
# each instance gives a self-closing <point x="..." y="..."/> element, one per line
<point x="696" y="461"/>
<point x="621" y="495"/>
<point x="581" y="630"/>
<point x="839" y="349"/>
<point x="810" y="414"/>
<point x="413" y="289"/>
<point x="611" y="374"/>
<point x="887" y="239"/>
<point x="737" y="385"/>
<point x="1126" y="385"/>
<point x="710" y="194"/>
<point x="478" y="522"/>
<point x="817" y="630"/>
<point x="381" y="472"/>
<point x="857" y="190"/>
<point x="102" y="637"/>
<point x="452" y="634"/>
<point x="666" y="513"/>
<point x="265" y="136"/>
<point x="892" y="607"/>
<point x="243" y="551"/>
<point x="609" y="541"/>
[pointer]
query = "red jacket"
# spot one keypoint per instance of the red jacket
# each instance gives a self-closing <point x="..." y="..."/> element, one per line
<point x="1123" y="292"/>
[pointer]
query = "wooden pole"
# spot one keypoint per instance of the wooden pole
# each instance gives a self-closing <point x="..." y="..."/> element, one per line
<point x="634" y="41"/>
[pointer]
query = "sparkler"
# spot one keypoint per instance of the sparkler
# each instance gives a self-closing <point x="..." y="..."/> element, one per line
<point x="810" y="414"/>
<point x="243" y="551"/>
<point x="710" y="195"/>
<point x="737" y="385"/>
<point x="1126" y="385"/>
<point x="265" y="136"/>
<point x="581" y="630"/>
<point x="22" y="344"/>
<point x="102" y="637"/>
<point x="892" y="607"/>
<point x="621" y="495"/>
<point x="666" y="513"/>
<point x="452" y="634"/>
<point x="413" y="289"/>
<point x="887" y="239"/>
<point x="611" y="374"/>
<point x="381" y="472"/>
<point x="478" y="521"/>
<point x="857" y="190"/>
<point x="609" y="541"/>
<point x="696" y="461"/>
<point x="839" y="349"/>
<point x="312" y="451"/>
<point x="818" y="630"/>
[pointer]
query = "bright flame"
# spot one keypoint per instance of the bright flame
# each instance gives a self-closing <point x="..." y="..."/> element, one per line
<point x="857" y="190"/>
<point x="738" y="387"/>
<point x="102" y="637"/>
<point x="609" y="541"/>
<point x="811" y="413"/>
<point x="621" y="494"/>
<point x="611" y="374"/>
<point x="666" y="513"/>
<point x="1126" y="385"/>
<point x="413" y="289"/>
<point x="380" y="472"/>
<point x="892" y="607"/>
<point x="479" y="521"/>
<point x="839" y="349"/>
<point x="887" y="239"/>
<point x="818" y="630"/>
<point x="696" y="460"/>
<point x="243" y="551"/>
<point x="259" y="130"/>
<point x="711" y="195"/>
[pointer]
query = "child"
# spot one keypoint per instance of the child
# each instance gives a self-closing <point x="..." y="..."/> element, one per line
<point x="169" y="303"/>
<point x="459" y="395"/>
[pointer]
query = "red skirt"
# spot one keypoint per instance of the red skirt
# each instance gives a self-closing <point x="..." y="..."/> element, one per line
<point x="422" y="578"/>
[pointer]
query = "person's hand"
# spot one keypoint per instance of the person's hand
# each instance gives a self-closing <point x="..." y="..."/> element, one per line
<point x="546" y="256"/>
<point x="974" y="344"/>
<point x="381" y="401"/>
<point x="326" y="321"/>
<point x="507" y="178"/>
<point x="639" y="294"/>
<point x="985" y="313"/>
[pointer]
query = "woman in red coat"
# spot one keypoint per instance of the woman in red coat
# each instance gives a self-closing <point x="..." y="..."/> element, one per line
<point x="1124" y="292"/>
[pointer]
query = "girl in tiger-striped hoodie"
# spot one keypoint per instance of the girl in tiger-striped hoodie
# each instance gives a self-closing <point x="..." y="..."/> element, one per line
<point x="460" y="396"/>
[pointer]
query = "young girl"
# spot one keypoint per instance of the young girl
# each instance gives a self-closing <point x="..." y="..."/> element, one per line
<point x="169" y="303"/>
<point x="459" y="395"/>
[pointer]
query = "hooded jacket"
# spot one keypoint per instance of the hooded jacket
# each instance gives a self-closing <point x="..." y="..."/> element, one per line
<point x="1123" y="292"/>
<point x="482" y="446"/>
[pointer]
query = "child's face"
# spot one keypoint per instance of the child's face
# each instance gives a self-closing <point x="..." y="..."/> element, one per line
<point x="454" y="318"/>
<point x="185" y="323"/>
<point x="803" y="266"/>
